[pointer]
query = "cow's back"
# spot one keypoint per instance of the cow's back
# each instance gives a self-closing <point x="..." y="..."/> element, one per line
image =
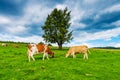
<point x="78" y="48"/>
<point x="40" y="47"/>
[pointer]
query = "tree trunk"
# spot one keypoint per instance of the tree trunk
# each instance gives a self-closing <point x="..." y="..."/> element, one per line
<point x="60" y="46"/>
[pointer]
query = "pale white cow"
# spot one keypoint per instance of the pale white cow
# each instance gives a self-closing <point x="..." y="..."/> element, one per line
<point x="4" y="44"/>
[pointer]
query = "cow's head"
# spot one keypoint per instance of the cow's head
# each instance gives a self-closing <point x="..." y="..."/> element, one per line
<point x="52" y="54"/>
<point x="67" y="55"/>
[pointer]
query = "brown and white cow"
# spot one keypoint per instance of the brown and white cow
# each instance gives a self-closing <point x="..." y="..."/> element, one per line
<point x="37" y="49"/>
<point x="78" y="49"/>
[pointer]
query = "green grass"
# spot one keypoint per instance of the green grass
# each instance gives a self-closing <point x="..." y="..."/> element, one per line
<point x="103" y="64"/>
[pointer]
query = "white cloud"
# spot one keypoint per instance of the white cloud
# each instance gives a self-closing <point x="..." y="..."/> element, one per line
<point x="31" y="39"/>
<point x="4" y="20"/>
<point x="12" y="25"/>
<point x="61" y="6"/>
<point x="117" y="23"/>
<point x="117" y="44"/>
<point x="77" y="14"/>
<point x="16" y="29"/>
<point x="35" y="13"/>
<point x="76" y="25"/>
<point x="112" y="8"/>
<point x="105" y="35"/>
<point x="77" y="43"/>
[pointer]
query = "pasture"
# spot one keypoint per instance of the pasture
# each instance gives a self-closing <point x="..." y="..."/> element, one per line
<point x="102" y="64"/>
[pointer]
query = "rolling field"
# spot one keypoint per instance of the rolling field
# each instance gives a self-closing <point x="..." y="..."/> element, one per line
<point x="103" y="64"/>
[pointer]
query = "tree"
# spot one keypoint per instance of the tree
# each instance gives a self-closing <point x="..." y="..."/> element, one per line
<point x="56" y="28"/>
<point x="41" y="42"/>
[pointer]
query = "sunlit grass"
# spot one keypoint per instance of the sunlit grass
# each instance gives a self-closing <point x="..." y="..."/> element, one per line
<point x="101" y="65"/>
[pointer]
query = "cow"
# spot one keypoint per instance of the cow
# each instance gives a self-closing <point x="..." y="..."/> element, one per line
<point x="4" y="44"/>
<point x="37" y="49"/>
<point x="78" y="49"/>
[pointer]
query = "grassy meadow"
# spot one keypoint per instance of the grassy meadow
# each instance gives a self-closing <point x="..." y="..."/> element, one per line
<point x="103" y="64"/>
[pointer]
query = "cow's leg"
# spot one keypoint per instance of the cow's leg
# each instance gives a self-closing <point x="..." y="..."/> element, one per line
<point x="43" y="56"/>
<point x="28" y="58"/>
<point x="28" y="54"/>
<point x="85" y="56"/>
<point x="73" y="54"/>
<point x="32" y="57"/>
<point x="47" y="56"/>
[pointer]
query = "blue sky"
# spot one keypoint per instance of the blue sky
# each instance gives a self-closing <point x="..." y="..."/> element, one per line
<point x="94" y="22"/>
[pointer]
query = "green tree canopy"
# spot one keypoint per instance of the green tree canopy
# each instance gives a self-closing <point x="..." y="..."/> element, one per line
<point x="56" y="28"/>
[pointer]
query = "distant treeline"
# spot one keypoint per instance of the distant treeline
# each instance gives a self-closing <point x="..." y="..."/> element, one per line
<point x="21" y="42"/>
<point x="14" y="42"/>
<point x="109" y="47"/>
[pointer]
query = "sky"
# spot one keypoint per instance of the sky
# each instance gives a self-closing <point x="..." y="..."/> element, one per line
<point x="95" y="23"/>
